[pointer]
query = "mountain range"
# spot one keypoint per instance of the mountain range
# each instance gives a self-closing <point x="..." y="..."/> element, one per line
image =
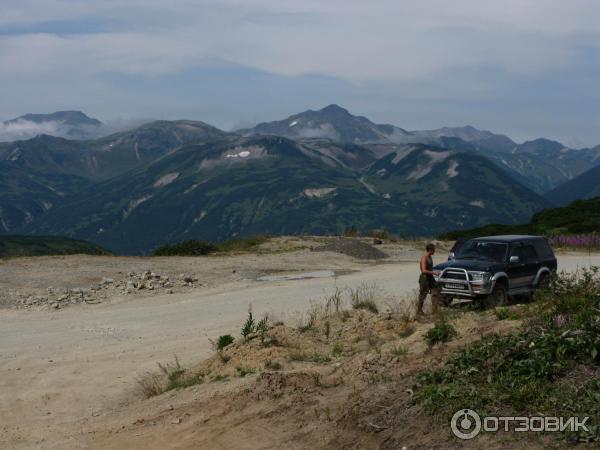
<point x="539" y="164"/>
<point x="316" y="172"/>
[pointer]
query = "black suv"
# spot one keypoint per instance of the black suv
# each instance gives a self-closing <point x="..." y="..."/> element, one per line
<point x="494" y="267"/>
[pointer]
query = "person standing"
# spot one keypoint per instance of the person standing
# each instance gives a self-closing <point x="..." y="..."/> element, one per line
<point x="426" y="280"/>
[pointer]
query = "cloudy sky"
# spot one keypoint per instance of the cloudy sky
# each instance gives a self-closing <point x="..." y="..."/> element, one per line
<point x="526" y="68"/>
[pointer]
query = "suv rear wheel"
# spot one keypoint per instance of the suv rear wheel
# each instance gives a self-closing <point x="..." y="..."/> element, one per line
<point x="499" y="297"/>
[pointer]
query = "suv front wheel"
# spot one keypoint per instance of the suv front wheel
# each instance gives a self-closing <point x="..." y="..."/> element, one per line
<point x="499" y="297"/>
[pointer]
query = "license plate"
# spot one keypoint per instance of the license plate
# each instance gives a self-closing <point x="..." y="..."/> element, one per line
<point x="455" y="286"/>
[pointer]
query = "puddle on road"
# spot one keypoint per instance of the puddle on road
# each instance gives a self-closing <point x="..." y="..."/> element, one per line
<point x="298" y="276"/>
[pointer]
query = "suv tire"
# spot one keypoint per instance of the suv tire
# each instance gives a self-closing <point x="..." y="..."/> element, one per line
<point x="499" y="297"/>
<point x="543" y="281"/>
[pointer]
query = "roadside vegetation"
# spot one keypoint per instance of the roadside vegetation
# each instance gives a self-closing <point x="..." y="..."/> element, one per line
<point x="573" y="226"/>
<point x="551" y="366"/>
<point x="202" y="248"/>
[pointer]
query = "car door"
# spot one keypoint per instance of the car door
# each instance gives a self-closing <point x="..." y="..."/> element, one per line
<point x="531" y="263"/>
<point x="516" y="271"/>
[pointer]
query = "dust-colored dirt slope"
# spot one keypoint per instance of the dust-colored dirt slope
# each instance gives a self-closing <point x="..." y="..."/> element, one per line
<point x="359" y="399"/>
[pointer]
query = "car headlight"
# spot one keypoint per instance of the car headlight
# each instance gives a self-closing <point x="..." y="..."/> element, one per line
<point x="480" y="276"/>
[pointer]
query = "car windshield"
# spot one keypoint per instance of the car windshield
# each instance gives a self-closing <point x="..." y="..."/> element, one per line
<point x="494" y="251"/>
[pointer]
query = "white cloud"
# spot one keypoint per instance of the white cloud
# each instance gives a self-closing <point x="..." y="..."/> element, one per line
<point x="25" y="129"/>
<point x="352" y="39"/>
<point x="390" y="51"/>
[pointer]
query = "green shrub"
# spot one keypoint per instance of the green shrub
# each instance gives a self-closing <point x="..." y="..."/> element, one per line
<point x="224" y="341"/>
<point x="201" y="248"/>
<point x="241" y="244"/>
<point x="441" y="332"/>
<point x="249" y="326"/>
<point x="186" y="248"/>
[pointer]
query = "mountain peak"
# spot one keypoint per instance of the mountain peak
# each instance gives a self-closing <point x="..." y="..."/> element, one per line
<point x="335" y="109"/>
<point x="331" y="122"/>
<point x="541" y="146"/>
<point x="66" y="117"/>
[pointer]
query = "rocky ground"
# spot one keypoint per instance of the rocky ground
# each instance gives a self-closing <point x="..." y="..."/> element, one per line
<point x="60" y="281"/>
<point x="58" y="298"/>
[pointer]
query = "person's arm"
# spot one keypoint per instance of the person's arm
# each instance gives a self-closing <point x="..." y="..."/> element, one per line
<point x="424" y="266"/>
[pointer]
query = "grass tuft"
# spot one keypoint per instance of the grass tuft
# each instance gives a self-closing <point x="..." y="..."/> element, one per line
<point x="364" y="297"/>
<point x="441" y="332"/>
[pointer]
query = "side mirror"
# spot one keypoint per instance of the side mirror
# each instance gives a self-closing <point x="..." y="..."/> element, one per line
<point x="514" y="259"/>
<point x="451" y="256"/>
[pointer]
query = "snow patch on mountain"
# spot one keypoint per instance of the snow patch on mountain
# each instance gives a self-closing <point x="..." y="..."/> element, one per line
<point x="166" y="179"/>
<point x="318" y="192"/>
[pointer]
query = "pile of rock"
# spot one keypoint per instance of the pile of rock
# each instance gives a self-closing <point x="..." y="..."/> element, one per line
<point x="59" y="298"/>
<point x="133" y="283"/>
<point x="150" y="281"/>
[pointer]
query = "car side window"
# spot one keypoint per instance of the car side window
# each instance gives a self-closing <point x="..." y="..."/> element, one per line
<point x="543" y="249"/>
<point x="529" y="253"/>
<point x="516" y="251"/>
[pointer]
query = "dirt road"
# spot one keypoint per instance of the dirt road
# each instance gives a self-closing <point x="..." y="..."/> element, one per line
<point x="60" y="370"/>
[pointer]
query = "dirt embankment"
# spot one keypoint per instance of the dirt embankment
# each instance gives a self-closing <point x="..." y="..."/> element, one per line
<point x="342" y="381"/>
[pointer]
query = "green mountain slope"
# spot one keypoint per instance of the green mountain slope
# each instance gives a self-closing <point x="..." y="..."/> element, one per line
<point x="275" y="185"/>
<point x="581" y="216"/>
<point x="586" y="185"/>
<point x="25" y="195"/>
<point x="40" y="173"/>
<point x="441" y="182"/>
